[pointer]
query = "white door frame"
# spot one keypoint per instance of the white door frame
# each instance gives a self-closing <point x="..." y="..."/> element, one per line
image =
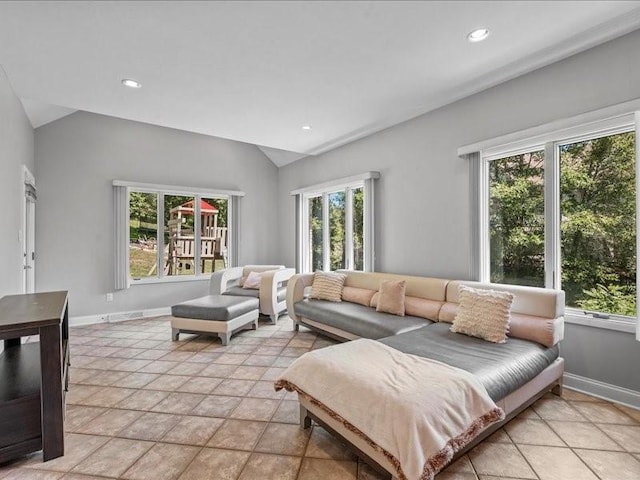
<point x="28" y="232"/>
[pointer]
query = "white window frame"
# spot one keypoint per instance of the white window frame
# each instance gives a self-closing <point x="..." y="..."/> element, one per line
<point x="550" y="143"/>
<point x="197" y="194"/>
<point x="348" y="185"/>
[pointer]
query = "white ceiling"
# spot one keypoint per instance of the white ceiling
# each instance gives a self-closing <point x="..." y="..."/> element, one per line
<point x="257" y="71"/>
<point x="41" y="113"/>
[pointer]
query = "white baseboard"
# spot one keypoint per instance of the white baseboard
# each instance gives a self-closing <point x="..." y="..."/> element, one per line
<point x="118" y="316"/>
<point x="602" y="390"/>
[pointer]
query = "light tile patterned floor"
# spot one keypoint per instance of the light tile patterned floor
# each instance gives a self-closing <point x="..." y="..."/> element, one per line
<point x="141" y="407"/>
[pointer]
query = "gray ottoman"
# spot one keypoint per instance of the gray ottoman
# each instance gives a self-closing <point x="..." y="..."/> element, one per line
<point x="220" y="314"/>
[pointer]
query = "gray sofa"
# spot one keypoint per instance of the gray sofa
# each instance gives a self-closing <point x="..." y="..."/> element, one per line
<point x="515" y="373"/>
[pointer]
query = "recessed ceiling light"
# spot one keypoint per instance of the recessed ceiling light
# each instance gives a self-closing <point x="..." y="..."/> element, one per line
<point x="478" y="35"/>
<point x="306" y="128"/>
<point x="129" y="82"/>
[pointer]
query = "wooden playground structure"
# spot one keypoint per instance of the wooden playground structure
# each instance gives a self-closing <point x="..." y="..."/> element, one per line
<point x="180" y="251"/>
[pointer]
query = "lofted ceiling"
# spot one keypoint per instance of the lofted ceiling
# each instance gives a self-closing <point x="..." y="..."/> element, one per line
<point x="258" y="71"/>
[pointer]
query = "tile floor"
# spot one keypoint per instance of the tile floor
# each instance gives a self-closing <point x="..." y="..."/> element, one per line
<point x="141" y="407"/>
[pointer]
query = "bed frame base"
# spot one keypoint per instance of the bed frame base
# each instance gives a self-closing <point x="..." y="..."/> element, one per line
<point x="331" y="332"/>
<point x="550" y="379"/>
<point x="306" y="418"/>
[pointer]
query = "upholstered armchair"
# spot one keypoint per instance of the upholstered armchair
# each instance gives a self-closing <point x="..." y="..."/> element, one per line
<point x="273" y="286"/>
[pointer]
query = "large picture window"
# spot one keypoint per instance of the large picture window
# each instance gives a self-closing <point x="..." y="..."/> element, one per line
<point x="179" y="255"/>
<point x="336" y="225"/>
<point x="562" y="215"/>
<point x="171" y="233"/>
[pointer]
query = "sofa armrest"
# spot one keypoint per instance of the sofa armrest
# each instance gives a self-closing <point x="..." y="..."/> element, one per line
<point x="295" y="292"/>
<point x="269" y="285"/>
<point x="260" y="268"/>
<point x="219" y="281"/>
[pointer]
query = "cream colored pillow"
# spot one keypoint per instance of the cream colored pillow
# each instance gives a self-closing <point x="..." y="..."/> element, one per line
<point x="483" y="313"/>
<point x="327" y="286"/>
<point x="391" y="299"/>
<point x="252" y="281"/>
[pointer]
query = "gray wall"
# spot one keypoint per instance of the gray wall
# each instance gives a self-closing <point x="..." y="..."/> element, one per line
<point x="605" y="355"/>
<point x="423" y="214"/>
<point x="77" y="158"/>
<point x="16" y="150"/>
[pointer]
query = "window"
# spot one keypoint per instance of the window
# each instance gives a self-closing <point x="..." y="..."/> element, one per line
<point x="516" y="219"/>
<point x="333" y="241"/>
<point x="336" y="225"/>
<point x="170" y="232"/>
<point x="598" y="223"/>
<point x="358" y="227"/>
<point x="143" y="234"/>
<point x="562" y="214"/>
<point x="315" y="253"/>
<point x="337" y="230"/>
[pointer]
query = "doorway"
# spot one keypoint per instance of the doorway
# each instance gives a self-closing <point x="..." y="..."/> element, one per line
<point x="29" y="233"/>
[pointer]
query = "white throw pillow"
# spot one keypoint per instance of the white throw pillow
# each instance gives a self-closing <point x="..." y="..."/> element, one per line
<point x="483" y="313"/>
<point x="253" y="281"/>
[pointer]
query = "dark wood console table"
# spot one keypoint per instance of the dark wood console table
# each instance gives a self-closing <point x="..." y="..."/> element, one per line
<point x="33" y="376"/>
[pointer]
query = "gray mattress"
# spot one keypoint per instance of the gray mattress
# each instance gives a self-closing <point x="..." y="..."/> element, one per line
<point x="357" y="319"/>
<point x="501" y="368"/>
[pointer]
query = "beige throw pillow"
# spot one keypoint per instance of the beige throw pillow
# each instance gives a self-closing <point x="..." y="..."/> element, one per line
<point x="327" y="286"/>
<point x="391" y="299"/>
<point x="483" y="313"/>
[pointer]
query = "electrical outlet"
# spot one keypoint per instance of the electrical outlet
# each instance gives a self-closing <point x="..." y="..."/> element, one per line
<point x="109" y="297"/>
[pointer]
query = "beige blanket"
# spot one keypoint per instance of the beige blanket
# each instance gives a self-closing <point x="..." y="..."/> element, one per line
<point x="415" y="411"/>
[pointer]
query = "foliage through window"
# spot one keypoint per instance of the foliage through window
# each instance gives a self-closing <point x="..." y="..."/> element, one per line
<point x="595" y="232"/>
<point x="333" y="229"/>
<point x="143" y="234"/>
<point x="516" y="219"/>
<point x="598" y="224"/>
<point x="358" y="228"/>
<point x="337" y="226"/>
<point x="315" y="250"/>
